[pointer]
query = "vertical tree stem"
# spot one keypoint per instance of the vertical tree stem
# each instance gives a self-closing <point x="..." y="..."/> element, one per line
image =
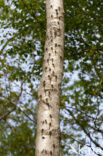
<point x="48" y="128"/>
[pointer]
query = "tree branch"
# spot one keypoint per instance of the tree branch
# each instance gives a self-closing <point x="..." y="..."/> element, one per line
<point x="3" y="117"/>
<point x="85" y="131"/>
<point x="19" y="108"/>
<point x="4" y="46"/>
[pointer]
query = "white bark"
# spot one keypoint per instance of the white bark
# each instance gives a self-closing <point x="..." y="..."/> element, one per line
<point x="48" y="129"/>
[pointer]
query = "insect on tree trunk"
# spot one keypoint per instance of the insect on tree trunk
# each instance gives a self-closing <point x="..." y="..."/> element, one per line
<point x="48" y="128"/>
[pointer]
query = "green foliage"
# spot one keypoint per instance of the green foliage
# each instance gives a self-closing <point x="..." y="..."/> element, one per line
<point x="23" y="25"/>
<point x="20" y="141"/>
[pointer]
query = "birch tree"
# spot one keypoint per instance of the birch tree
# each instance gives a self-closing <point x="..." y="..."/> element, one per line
<point x="48" y="129"/>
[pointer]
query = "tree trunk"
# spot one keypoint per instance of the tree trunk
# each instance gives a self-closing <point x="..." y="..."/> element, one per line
<point x="48" y="128"/>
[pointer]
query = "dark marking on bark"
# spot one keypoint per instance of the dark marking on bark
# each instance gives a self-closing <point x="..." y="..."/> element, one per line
<point x="50" y="35"/>
<point x="49" y="69"/>
<point x="57" y="13"/>
<point x="63" y="13"/>
<point x="47" y="60"/>
<point x="42" y="131"/>
<point x="53" y="65"/>
<point x="61" y="73"/>
<point x="51" y="6"/>
<point x="56" y="77"/>
<point x="49" y="54"/>
<point x="61" y="18"/>
<point x="50" y="133"/>
<point x="43" y="100"/>
<point x="44" y="92"/>
<point x="49" y="124"/>
<point x="50" y="116"/>
<point x="45" y="68"/>
<point x="43" y="83"/>
<point x="59" y="85"/>
<point x="49" y="77"/>
<point x="59" y="8"/>
<point x="51" y="16"/>
<point x="55" y="33"/>
<point x="40" y="96"/>
<point x="53" y="73"/>
<point x="43" y="60"/>
<point x="46" y="49"/>
<point x="48" y="105"/>
<point x="51" y="153"/>
<point x="51" y="48"/>
<point x="53" y="145"/>
<point x="61" y="58"/>
<point x="55" y="44"/>
<point x="45" y="121"/>
<point x="46" y="99"/>
<point x="49" y="93"/>
<point x="59" y="45"/>
<point x="42" y="151"/>
<point x="52" y="86"/>
<point x="43" y="137"/>
<point x="59" y="32"/>
<point x="59" y="29"/>
<point x="55" y="52"/>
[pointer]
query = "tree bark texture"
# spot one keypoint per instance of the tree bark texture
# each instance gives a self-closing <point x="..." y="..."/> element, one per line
<point x="48" y="127"/>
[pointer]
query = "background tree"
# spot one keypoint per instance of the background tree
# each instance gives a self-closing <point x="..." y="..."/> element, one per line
<point x="23" y="26"/>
